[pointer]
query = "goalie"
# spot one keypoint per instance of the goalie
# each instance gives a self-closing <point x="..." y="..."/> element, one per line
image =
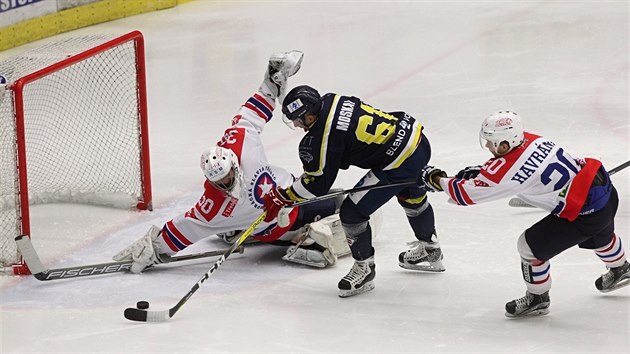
<point x="238" y="176"/>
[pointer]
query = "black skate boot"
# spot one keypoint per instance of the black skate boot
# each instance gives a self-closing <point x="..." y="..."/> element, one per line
<point x="359" y="280"/>
<point x="615" y="278"/>
<point x="528" y="305"/>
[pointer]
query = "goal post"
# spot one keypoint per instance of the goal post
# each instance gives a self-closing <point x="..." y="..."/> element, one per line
<point x="73" y="128"/>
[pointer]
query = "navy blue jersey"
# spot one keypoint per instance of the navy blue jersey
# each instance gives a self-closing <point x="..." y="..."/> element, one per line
<point x="348" y="133"/>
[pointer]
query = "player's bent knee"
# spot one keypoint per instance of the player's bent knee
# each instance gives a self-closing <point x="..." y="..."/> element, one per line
<point x="523" y="248"/>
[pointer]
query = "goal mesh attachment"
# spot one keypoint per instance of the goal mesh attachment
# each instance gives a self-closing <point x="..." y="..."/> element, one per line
<point x="73" y="128"/>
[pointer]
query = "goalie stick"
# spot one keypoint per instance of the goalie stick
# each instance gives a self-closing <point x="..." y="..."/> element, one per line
<point x="42" y="273"/>
<point x="142" y="315"/>
<point x="519" y="203"/>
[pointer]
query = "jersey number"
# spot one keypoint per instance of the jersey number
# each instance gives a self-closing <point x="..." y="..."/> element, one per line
<point x="562" y="168"/>
<point x="370" y="133"/>
<point x="205" y="207"/>
<point x="229" y="137"/>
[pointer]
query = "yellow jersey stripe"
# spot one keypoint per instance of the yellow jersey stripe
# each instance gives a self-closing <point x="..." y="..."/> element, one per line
<point x="412" y="145"/>
<point x="324" y="147"/>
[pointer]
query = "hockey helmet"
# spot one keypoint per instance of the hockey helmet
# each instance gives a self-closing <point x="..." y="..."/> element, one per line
<point x="499" y="127"/>
<point x="222" y="169"/>
<point x="297" y="103"/>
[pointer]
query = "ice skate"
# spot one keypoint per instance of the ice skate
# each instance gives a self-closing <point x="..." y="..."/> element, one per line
<point x="359" y="280"/>
<point x="615" y="278"/>
<point x="422" y="256"/>
<point x="528" y="305"/>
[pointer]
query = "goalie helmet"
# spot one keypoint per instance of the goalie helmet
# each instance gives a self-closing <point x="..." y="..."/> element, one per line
<point x="499" y="127"/>
<point x="298" y="102"/>
<point x="221" y="168"/>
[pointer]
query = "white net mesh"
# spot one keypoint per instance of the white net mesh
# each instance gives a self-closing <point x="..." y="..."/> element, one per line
<point x="82" y="132"/>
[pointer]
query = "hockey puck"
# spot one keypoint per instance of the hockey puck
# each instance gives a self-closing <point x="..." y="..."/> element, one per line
<point x="142" y="305"/>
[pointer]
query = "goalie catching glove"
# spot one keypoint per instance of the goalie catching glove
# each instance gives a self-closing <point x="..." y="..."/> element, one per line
<point x="144" y="252"/>
<point x="430" y="178"/>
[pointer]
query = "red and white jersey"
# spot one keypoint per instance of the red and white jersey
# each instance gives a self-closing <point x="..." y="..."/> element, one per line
<point x="216" y="212"/>
<point x="538" y="171"/>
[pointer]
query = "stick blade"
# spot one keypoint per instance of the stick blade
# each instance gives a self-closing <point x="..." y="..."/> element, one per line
<point x="134" y="314"/>
<point x="30" y="256"/>
<point x="519" y="203"/>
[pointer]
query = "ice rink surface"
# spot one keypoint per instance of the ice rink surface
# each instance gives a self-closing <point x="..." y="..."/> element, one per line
<point x="563" y="65"/>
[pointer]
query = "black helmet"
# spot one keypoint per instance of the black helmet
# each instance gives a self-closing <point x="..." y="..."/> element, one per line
<point x="299" y="101"/>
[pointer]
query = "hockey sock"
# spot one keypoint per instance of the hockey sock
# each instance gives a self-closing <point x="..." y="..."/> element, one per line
<point x="613" y="254"/>
<point x="537" y="275"/>
<point x="421" y="218"/>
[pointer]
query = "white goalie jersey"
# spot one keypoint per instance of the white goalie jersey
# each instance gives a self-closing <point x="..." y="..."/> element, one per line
<point x="538" y="171"/>
<point x="217" y="212"/>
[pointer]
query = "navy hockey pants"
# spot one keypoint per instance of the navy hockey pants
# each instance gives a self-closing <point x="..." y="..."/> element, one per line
<point x="552" y="235"/>
<point x="357" y="207"/>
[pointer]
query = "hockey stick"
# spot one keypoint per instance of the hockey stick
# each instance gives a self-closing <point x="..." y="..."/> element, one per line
<point x="519" y="203"/>
<point x="354" y="190"/>
<point x="42" y="273"/>
<point x="142" y="315"/>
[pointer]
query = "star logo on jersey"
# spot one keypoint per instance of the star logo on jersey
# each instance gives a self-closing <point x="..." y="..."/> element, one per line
<point x="262" y="183"/>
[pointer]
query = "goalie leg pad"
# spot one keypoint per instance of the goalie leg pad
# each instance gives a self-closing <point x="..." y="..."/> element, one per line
<point x="323" y="242"/>
<point x="329" y="230"/>
<point x="309" y="257"/>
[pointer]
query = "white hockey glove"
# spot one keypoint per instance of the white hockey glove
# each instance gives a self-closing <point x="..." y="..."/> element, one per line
<point x="144" y="252"/>
<point x="320" y="246"/>
<point x="281" y="66"/>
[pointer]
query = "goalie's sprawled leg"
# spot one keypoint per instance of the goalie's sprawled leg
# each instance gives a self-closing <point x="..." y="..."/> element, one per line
<point x="320" y="245"/>
<point x="317" y="236"/>
<point x="424" y="253"/>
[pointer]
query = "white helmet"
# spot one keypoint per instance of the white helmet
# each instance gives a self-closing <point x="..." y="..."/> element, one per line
<point x="216" y="164"/>
<point x="502" y="126"/>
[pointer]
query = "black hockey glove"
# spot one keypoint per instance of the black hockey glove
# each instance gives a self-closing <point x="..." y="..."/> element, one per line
<point x="429" y="180"/>
<point x="470" y="172"/>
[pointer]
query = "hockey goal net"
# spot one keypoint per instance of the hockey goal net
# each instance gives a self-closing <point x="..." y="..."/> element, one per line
<point x="73" y="128"/>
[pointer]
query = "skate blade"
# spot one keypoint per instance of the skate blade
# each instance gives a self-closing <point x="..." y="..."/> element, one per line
<point x="364" y="289"/>
<point x="423" y="268"/>
<point x="532" y="313"/>
<point x="622" y="283"/>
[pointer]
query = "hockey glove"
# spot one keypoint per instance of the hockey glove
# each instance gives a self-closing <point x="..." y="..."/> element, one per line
<point x="274" y="201"/>
<point x="144" y="252"/>
<point x="430" y="178"/>
<point x="470" y="172"/>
